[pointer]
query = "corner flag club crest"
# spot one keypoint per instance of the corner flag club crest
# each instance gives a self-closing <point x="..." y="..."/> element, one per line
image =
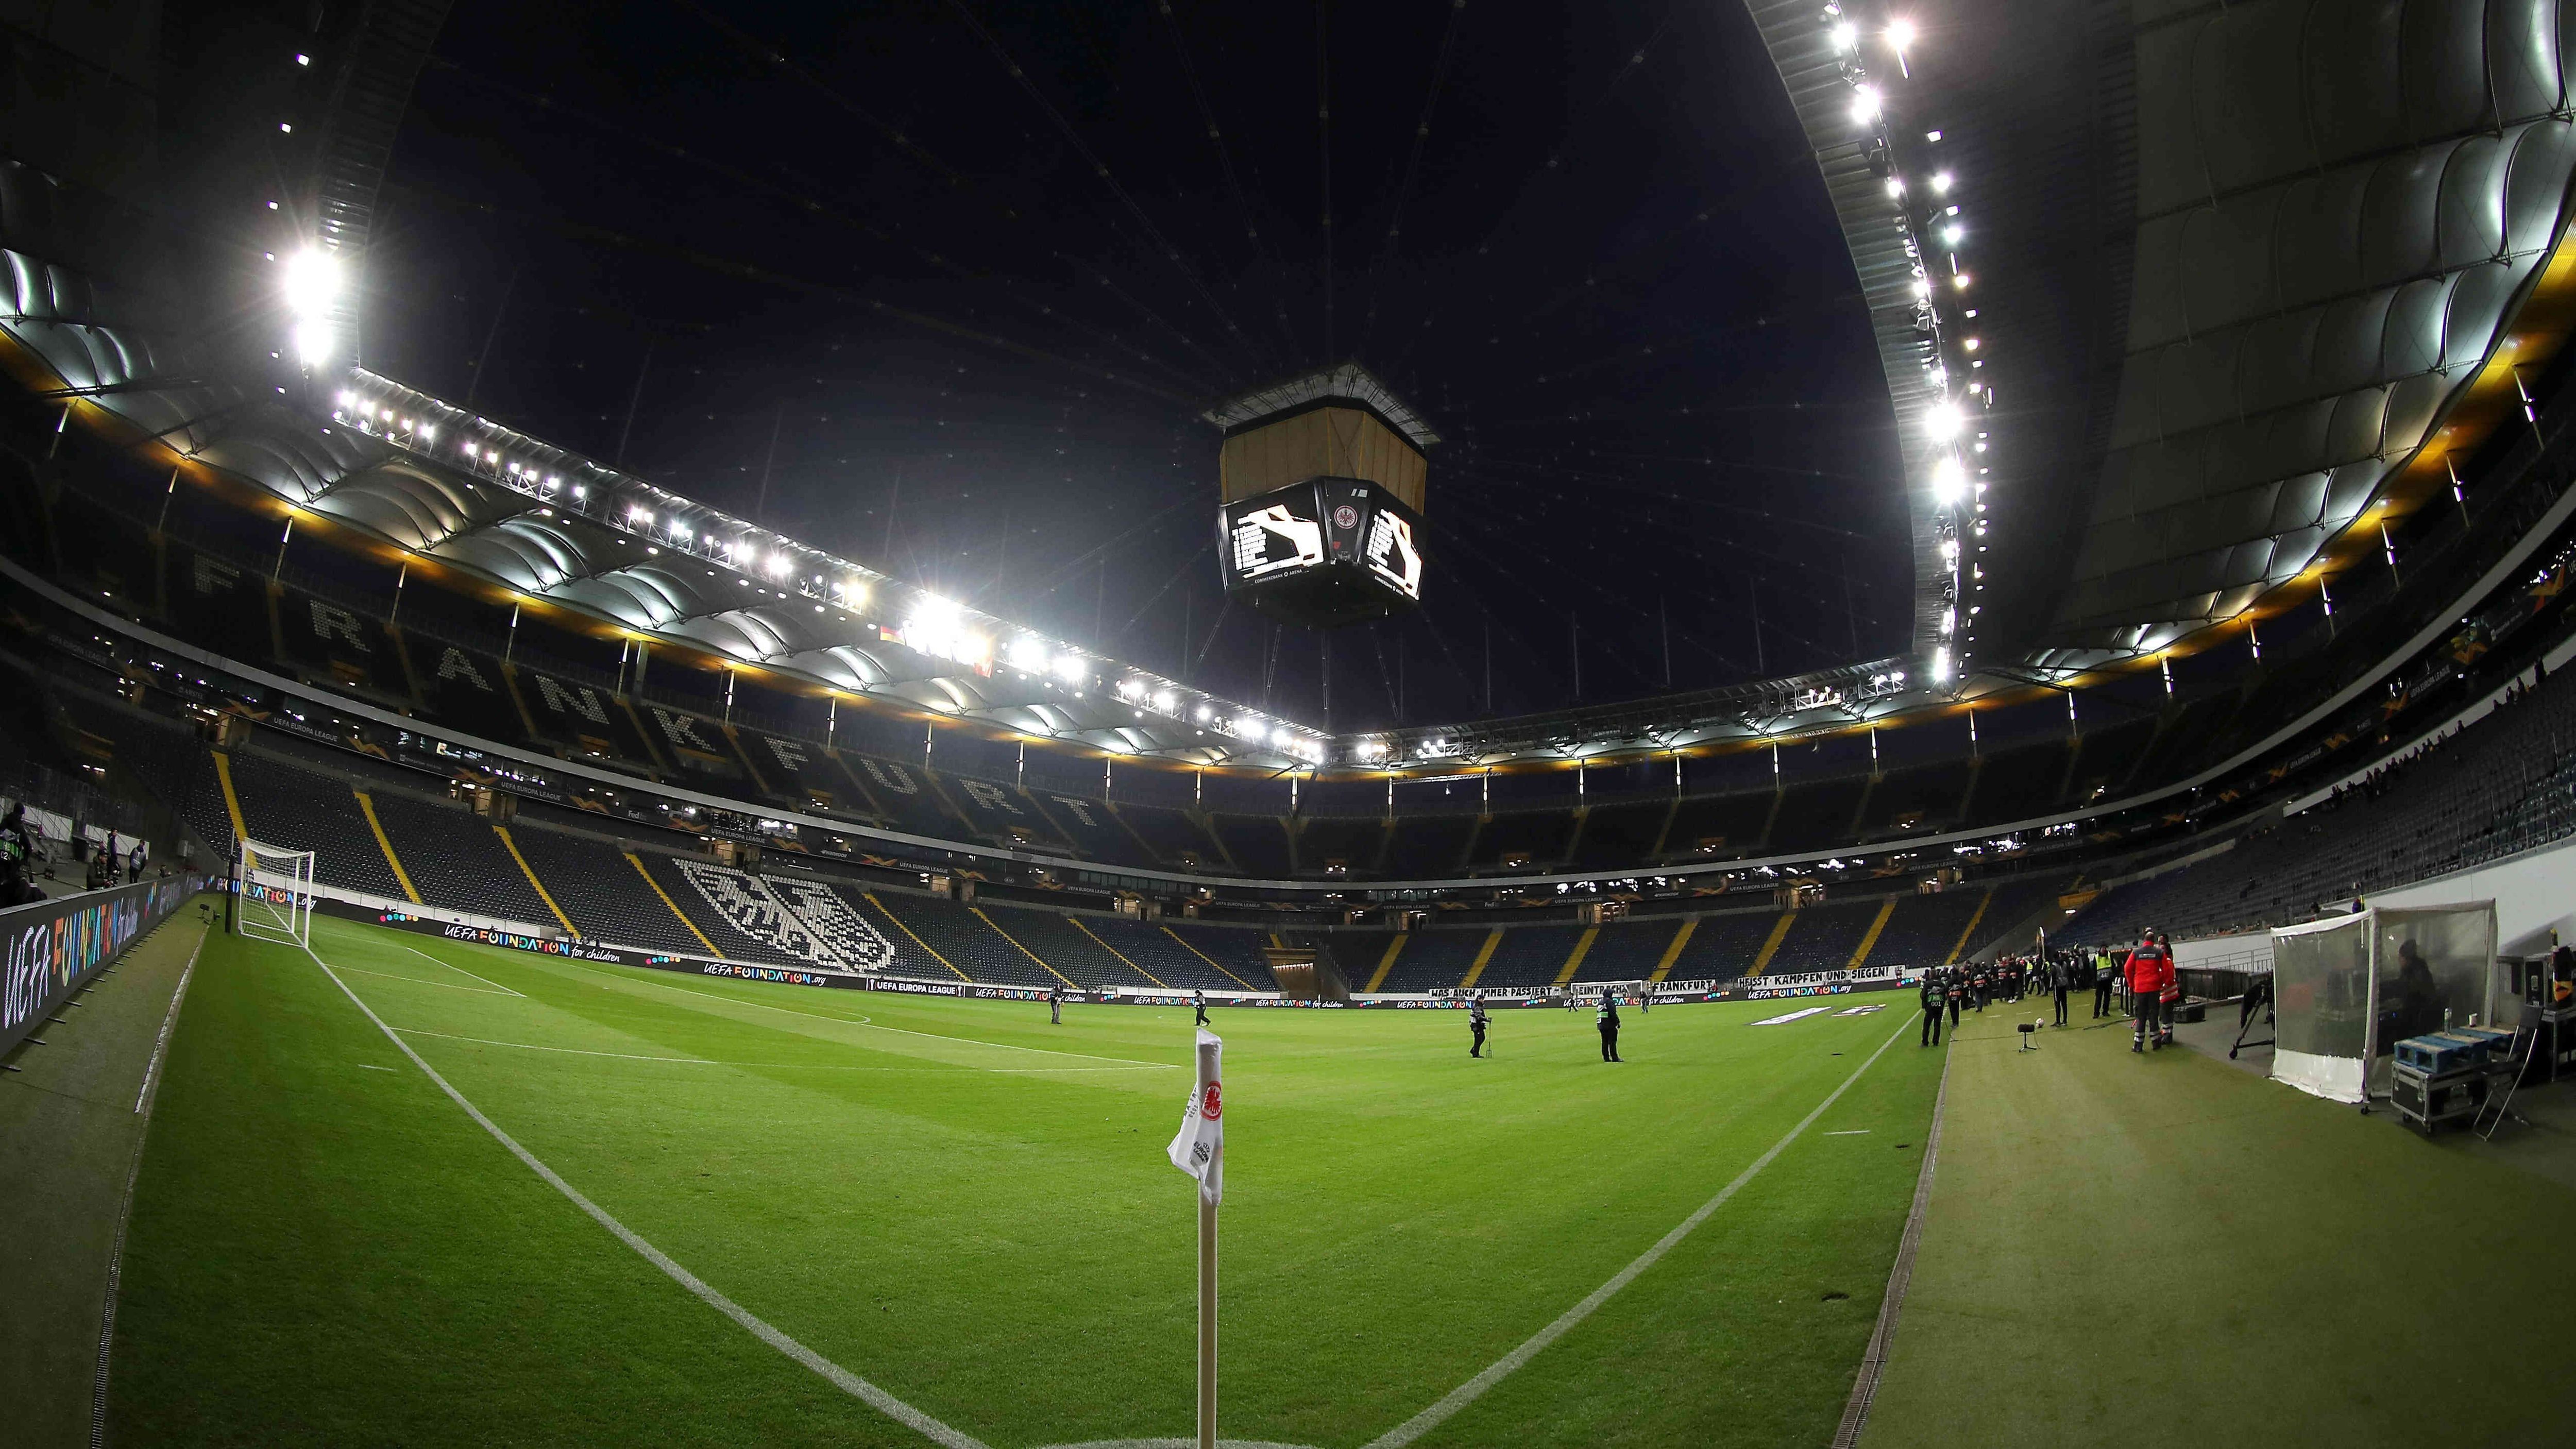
<point x="1199" y="1150"/>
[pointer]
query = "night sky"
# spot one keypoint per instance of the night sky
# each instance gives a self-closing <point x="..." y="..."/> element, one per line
<point x="944" y="287"/>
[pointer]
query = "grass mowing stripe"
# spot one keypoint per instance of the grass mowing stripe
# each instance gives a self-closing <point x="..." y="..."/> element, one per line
<point x="872" y="1026"/>
<point x="1502" y="1368"/>
<point x="441" y="985"/>
<point x="712" y="1062"/>
<point x="125" y="1205"/>
<point x="1873" y="1360"/>
<point x="839" y="1377"/>
<point x="452" y="966"/>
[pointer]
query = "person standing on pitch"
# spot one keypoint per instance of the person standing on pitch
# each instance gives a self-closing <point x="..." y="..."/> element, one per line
<point x="1935" y="999"/>
<point x="1606" y="1016"/>
<point x="2101" y="984"/>
<point x="1198" y="1003"/>
<point x="1055" y="1005"/>
<point x="1952" y="988"/>
<point x="2061" y="974"/>
<point x="1476" y="1025"/>
<point x="2148" y="969"/>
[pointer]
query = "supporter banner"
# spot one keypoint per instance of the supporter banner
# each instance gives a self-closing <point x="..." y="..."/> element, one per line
<point x="54" y="948"/>
<point x="1811" y="983"/>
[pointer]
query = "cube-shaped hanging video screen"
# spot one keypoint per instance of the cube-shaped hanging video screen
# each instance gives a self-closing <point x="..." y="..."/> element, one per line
<point x="1323" y="552"/>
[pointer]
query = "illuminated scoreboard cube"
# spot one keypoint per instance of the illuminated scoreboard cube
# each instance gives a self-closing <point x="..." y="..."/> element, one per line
<point x="1322" y="480"/>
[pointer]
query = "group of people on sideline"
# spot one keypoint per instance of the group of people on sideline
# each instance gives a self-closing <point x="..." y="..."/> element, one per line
<point x="2146" y="973"/>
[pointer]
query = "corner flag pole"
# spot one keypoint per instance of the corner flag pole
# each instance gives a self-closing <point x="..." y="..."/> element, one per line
<point x="1207" y="1322"/>
<point x="1199" y="1150"/>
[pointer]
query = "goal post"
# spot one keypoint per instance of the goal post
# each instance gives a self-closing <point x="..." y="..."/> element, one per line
<point x="273" y="890"/>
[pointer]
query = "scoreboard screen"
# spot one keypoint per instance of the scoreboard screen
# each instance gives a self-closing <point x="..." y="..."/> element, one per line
<point x="1325" y="551"/>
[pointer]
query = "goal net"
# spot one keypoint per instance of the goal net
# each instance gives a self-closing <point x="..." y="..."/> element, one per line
<point x="273" y="887"/>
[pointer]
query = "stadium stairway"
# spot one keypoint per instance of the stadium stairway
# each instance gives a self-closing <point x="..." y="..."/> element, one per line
<point x="736" y="914"/>
<point x="600" y="887"/>
<point x="1055" y="942"/>
<point x="290" y="807"/>
<point x="1434" y="959"/>
<point x="964" y="940"/>
<point x="1628" y="950"/>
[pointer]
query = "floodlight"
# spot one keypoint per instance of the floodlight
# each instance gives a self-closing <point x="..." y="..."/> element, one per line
<point x="1900" y="35"/>
<point x="1941" y="665"/>
<point x="1163" y="700"/>
<point x="1941" y="183"/>
<point x="1844" y="37"/>
<point x="1942" y="421"/>
<point x="312" y="283"/>
<point x="313" y="342"/>
<point x="1949" y="481"/>
<point x="1071" y="669"/>
<point x="1865" y="104"/>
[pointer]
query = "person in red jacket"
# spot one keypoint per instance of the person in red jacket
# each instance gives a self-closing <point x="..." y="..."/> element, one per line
<point x="2150" y="970"/>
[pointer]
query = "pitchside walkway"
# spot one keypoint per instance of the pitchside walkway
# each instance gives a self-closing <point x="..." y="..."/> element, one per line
<point x="2166" y="1250"/>
<point x="68" y="1134"/>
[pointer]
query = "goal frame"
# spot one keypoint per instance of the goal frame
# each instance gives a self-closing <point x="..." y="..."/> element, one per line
<point x="274" y="891"/>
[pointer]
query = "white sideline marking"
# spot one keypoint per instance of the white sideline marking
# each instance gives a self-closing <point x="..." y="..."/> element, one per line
<point x="441" y="985"/>
<point x="1474" y="1389"/>
<point x="840" y="1378"/>
<point x="872" y="1026"/>
<point x="712" y="1062"/>
<point x="161" y="1044"/>
<point x="452" y="966"/>
<point x="372" y="1067"/>
<point x="1850" y="1132"/>
<point x="1792" y="1016"/>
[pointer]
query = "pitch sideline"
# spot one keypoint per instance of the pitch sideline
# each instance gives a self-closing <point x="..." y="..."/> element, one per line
<point x="940" y="1432"/>
<point x="849" y="1383"/>
<point x="1502" y="1368"/>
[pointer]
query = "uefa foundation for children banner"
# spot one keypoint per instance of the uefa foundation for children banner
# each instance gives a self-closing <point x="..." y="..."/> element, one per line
<point x="53" y="948"/>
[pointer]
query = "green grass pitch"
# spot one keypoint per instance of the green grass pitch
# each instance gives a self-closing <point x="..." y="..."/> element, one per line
<point x="970" y="1209"/>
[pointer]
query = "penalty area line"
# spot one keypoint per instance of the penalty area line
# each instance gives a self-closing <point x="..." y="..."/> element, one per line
<point x="760" y="1328"/>
<point x="1502" y="1368"/>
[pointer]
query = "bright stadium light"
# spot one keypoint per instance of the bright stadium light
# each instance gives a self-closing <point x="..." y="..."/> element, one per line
<point x="313" y="342"/>
<point x="1900" y="35"/>
<point x="1941" y="183"/>
<point x="1941" y="665"/>
<point x="1896" y="186"/>
<point x="1844" y="36"/>
<point x="312" y="283"/>
<point x="1949" y="481"/>
<point x="1205" y="714"/>
<point x="1028" y="654"/>
<point x="1865" y="104"/>
<point x="1941" y="421"/>
<point x="1072" y="669"/>
<point x="1164" y="700"/>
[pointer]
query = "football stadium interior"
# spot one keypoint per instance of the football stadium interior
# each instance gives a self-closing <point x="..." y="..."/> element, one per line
<point x="666" y="669"/>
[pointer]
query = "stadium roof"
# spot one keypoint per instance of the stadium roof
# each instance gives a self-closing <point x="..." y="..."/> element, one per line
<point x="1345" y="380"/>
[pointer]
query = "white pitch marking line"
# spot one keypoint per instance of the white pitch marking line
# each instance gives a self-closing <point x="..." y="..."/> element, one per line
<point x="441" y="985"/>
<point x="1474" y="1389"/>
<point x="372" y="1067"/>
<point x="1792" y="1016"/>
<point x="1850" y="1132"/>
<point x="161" y="1043"/>
<point x="452" y="966"/>
<point x="872" y="1026"/>
<point x="840" y="1378"/>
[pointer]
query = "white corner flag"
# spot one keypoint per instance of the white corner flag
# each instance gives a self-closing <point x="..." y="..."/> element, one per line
<point x="1199" y="1148"/>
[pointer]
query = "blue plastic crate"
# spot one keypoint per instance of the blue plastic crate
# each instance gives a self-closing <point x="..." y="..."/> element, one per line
<point x="2440" y="1052"/>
